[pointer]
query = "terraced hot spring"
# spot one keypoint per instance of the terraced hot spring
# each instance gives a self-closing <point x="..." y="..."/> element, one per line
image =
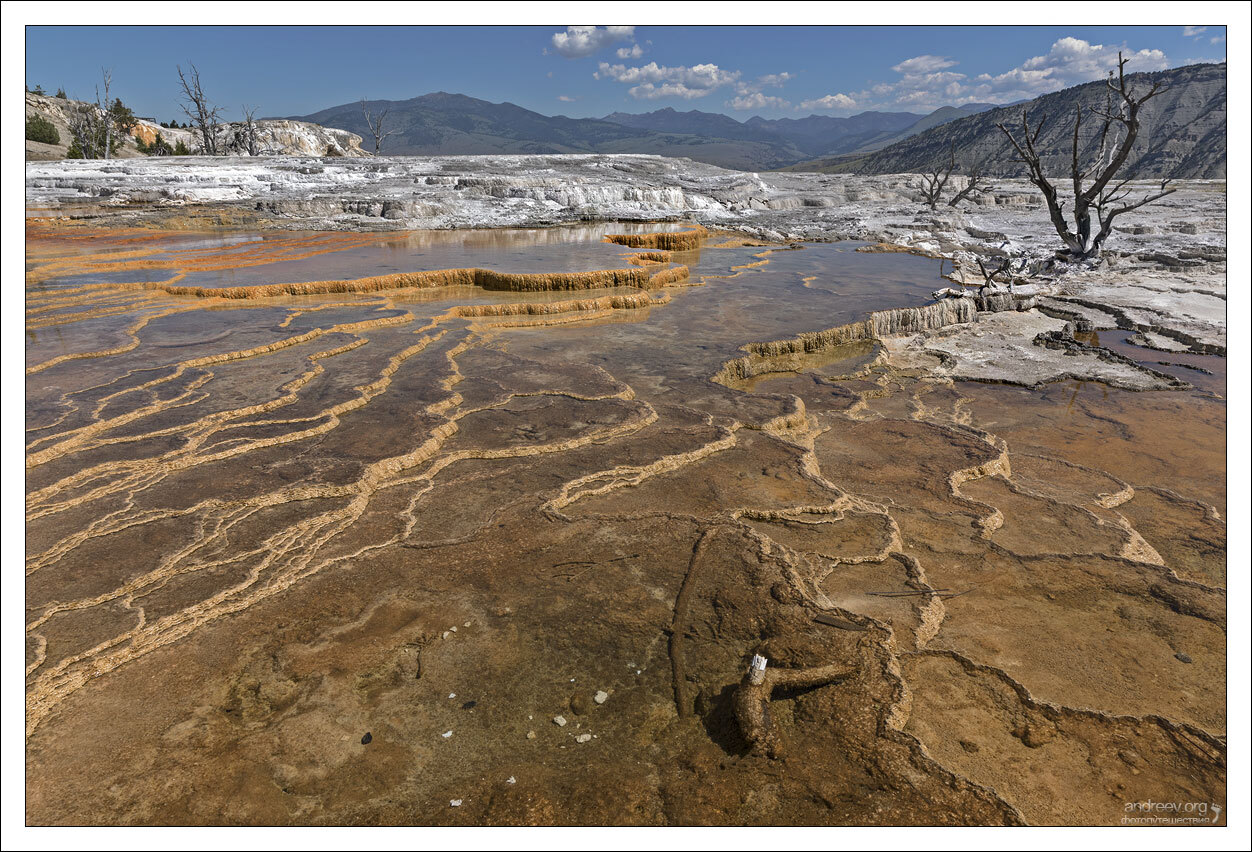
<point x="459" y="528"/>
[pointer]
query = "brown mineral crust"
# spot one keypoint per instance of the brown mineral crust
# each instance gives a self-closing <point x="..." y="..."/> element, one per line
<point x="258" y="528"/>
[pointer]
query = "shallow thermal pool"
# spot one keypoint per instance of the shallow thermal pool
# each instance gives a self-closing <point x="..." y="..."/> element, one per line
<point x="261" y="527"/>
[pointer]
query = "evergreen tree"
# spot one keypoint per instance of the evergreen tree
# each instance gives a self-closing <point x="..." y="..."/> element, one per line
<point x="39" y="129"/>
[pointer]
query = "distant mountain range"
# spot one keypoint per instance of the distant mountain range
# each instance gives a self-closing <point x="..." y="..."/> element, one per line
<point x="443" y="123"/>
<point x="1183" y="132"/>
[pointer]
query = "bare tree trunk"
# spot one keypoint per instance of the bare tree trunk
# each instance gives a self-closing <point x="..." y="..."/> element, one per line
<point x="108" y="124"/>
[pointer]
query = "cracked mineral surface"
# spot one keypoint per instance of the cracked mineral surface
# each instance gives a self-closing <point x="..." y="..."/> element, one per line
<point x="287" y="485"/>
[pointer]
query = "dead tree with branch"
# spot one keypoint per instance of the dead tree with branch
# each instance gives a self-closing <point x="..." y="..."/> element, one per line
<point x="1103" y="197"/>
<point x="375" y="124"/>
<point x="104" y="107"/>
<point x="934" y="181"/>
<point x="99" y="127"/>
<point x="204" y="116"/>
<point x="975" y="179"/>
<point x="989" y="276"/>
<point x="85" y="122"/>
<point x="249" y="131"/>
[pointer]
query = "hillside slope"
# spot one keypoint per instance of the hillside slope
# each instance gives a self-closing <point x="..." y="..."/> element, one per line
<point x="275" y="137"/>
<point x="807" y="137"/>
<point x="1182" y="132"/>
<point x="448" y="124"/>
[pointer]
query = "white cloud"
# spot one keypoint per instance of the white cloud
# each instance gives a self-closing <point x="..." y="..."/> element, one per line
<point x="836" y="101"/>
<point x="927" y="84"/>
<point x="756" y="100"/>
<point x="1190" y="32"/>
<point x="577" y="42"/>
<point x="924" y="64"/>
<point x="1217" y="39"/>
<point x="1070" y="61"/>
<point x="651" y="91"/>
<point x="632" y="52"/>
<point x="654" y="81"/>
<point x="566" y="98"/>
<point x="774" y="80"/>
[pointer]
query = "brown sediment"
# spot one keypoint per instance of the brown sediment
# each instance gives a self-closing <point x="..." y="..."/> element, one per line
<point x="788" y="355"/>
<point x="627" y="301"/>
<point x="736" y="241"/>
<point x="687" y="240"/>
<point x="679" y="626"/>
<point x="132" y="332"/>
<point x="649" y="257"/>
<point x="670" y="277"/>
<point x="485" y="278"/>
<point x="893" y="248"/>
<point x="253" y="253"/>
<point x="105" y="287"/>
<point x="72" y="440"/>
<point x="267" y="557"/>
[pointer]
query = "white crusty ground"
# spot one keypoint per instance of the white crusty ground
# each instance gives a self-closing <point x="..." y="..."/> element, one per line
<point x="1166" y="268"/>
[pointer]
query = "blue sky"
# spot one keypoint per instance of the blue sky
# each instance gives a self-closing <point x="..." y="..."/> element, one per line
<point x="582" y="72"/>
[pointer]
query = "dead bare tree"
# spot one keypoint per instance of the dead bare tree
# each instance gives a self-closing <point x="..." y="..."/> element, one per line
<point x="972" y="186"/>
<point x="1103" y="196"/>
<point x="95" y="126"/>
<point x="108" y="125"/>
<point x="204" y="116"/>
<point x="249" y="130"/>
<point x="375" y="124"/>
<point x="934" y="182"/>
<point x="84" y="121"/>
<point x="989" y="276"/>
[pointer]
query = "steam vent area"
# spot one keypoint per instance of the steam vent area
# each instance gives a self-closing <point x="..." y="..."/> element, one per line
<point x="334" y="522"/>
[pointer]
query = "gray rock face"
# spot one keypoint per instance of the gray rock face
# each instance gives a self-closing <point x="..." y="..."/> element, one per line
<point x="1182" y="133"/>
<point x="1006" y="347"/>
<point x="58" y="111"/>
<point x="283" y="137"/>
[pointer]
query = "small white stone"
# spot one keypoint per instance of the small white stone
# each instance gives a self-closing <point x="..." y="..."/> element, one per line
<point x="511" y="780"/>
<point x="446" y="634"/>
<point x="530" y="735"/>
<point x="467" y="624"/>
<point x="559" y="720"/>
<point x="451" y="695"/>
<point x="453" y="628"/>
<point x="447" y="734"/>
<point x="601" y="697"/>
<point x="639" y="672"/>
<point x="582" y="738"/>
<point x="571" y="680"/>
<point x="456" y="803"/>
